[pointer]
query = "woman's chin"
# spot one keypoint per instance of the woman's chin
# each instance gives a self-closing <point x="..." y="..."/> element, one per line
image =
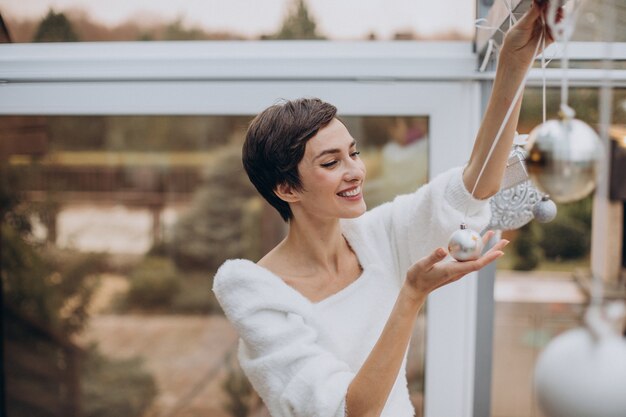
<point x="355" y="212"/>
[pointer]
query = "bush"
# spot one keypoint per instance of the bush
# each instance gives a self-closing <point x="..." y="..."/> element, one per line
<point x="528" y="253"/>
<point x="238" y="391"/>
<point x="565" y="238"/>
<point x="153" y="283"/>
<point x="212" y="230"/>
<point x="195" y="296"/>
<point x="113" y="388"/>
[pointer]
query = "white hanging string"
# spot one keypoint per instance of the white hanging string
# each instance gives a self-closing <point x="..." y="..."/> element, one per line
<point x="562" y="31"/>
<point x="507" y="115"/>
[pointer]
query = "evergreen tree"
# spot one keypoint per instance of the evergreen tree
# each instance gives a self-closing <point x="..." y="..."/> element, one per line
<point x="55" y="27"/>
<point x="213" y="229"/>
<point x="298" y="23"/>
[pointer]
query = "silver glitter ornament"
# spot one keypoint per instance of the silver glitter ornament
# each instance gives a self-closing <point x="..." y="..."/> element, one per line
<point x="563" y="158"/>
<point x="511" y="208"/>
<point x="465" y="244"/>
<point x="545" y="210"/>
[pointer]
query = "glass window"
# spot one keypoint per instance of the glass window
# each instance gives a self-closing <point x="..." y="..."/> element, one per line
<point x="112" y="228"/>
<point x="536" y="294"/>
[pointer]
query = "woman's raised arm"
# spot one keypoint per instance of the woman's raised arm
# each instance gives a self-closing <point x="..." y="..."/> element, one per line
<point x="514" y="60"/>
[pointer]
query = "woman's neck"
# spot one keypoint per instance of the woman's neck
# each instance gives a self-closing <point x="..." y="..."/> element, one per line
<point x="316" y="245"/>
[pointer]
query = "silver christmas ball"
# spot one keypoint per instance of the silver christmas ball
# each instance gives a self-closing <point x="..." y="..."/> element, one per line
<point x="545" y="210"/>
<point x="465" y="244"/>
<point x="563" y="158"/>
<point x="581" y="375"/>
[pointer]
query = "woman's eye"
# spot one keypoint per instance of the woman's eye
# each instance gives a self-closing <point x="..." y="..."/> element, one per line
<point x="355" y="153"/>
<point x="329" y="164"/>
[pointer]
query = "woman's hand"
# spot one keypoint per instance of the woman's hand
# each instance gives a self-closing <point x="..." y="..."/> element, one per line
<point x="521" y="40"/>
<point x="429" y="273"/>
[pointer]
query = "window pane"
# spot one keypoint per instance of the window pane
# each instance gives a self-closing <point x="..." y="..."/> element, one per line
<point x="536" y="294"/>
<point x="114" y="226"/>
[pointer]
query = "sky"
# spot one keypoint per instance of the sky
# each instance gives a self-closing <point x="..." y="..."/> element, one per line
<point x="340" y="19"/>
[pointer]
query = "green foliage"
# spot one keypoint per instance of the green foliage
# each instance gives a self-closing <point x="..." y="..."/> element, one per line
<point x="565" y="238"/>
<point x="583" y="100"/>
<point x="212" y="230"/>
<point x="195" y="296"/>
<point x="113" y="388"/>
<point x="175" y="31"/>
<point x="55" y="27"/>
<point x="298" y="24"/>
<point x="153" y="283"/>
<point x="53" y="288"/>
<point x="527" y="252"/>
<point x="581" y="211"/>
<point x="53" y="291"/>
<point x="238" y="390"/>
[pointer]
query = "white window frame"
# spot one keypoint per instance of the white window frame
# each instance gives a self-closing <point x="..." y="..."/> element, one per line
<point x="438" y="80"/>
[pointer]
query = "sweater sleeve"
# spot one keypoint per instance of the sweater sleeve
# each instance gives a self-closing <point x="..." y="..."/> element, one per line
<point x="413" y="225"/>
<point x="278" y="350"/>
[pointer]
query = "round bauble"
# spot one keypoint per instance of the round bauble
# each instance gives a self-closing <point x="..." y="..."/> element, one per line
<point x="582" y="375"/>
<point x="545" y="210"/>
<point x="563" y="158"/>
<point x="465" y="244"/>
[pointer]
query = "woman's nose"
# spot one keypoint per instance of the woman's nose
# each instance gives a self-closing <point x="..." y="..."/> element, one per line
<point x="354" y="171"/>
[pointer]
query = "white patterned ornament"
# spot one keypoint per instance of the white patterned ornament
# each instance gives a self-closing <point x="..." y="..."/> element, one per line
<point x="465" y="244"/>
<point x="515" y="206"/>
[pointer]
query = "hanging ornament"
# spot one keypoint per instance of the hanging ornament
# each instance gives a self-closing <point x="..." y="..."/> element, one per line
<point x="545" y="210"/>
<point x="515" y="171"/>
<point x="563" y="157"/>
<point x="513" y="207"/>
<point x="565" y="153"/>
<point x="465" y="244"/>
<point x="582" y="372"/>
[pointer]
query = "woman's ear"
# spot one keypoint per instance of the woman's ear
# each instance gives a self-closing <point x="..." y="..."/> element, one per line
<point x="286" y="193"/>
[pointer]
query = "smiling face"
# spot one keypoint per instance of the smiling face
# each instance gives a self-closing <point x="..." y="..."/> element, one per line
<point x="332" y="175"/>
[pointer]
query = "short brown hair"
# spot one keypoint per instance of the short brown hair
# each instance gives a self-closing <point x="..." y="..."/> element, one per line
<point x="275" y="144"/>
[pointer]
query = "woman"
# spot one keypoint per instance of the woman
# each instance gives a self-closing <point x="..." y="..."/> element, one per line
<point x="325" y="318"/>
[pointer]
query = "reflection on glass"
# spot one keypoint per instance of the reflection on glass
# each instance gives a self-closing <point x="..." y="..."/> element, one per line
<point x="112" y="228"/>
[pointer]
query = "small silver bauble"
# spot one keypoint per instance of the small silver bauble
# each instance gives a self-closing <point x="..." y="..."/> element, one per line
<point x="545" y="210"/>
<point x="582" y="373"/>
<point x="465" y="244"/>
<point x="563" y="158"/>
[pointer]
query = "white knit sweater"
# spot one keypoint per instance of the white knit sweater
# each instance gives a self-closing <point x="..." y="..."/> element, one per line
<point x="301" y="356"/>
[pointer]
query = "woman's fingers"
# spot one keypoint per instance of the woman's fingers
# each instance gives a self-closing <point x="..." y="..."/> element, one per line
<point x="429" y="274"/>
<point x="487" y="237"/>
<point x="530" y="17"/>
<point x="430" y="260"/>
<point x="462" y="268"/>
<point x="498" y="246"/>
